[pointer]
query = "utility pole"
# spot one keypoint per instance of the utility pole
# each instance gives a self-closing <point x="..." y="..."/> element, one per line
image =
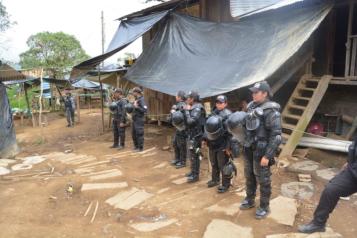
<point x="100" y="82"/>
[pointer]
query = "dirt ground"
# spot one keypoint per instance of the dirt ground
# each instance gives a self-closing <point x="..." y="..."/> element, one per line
<point x="36" y="205"/>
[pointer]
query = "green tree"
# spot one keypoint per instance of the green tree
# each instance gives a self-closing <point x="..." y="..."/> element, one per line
<point x="56" y="52"/>
<point x="5" y="21"/>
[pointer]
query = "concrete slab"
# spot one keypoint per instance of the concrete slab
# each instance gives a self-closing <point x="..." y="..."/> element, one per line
<point x="4" y="171"/>
<point x="152" y="226"/>
<point x="99" y="186"/>
<point x="298" y="190"/>
<point x="6" y="162"/>
<point x="304" y="177"/>
<point x="228" y="210"/>
<point x="227" y="229"/>
<point x="18" y="167"/>
<point x="128" y="199"/>
<point x="163" y="190"/>
<point x="306" y="166"/>
<point x="180" y="181"/>
<point x="31" y="160"/>
<point x="326" y="174"/>
<point x="283" y="214"/>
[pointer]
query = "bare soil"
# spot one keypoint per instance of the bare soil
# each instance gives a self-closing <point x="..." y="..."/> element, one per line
<point x="38" y="206"/>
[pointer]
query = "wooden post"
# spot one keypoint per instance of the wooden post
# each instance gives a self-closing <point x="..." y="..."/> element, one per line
<point x="118" y="79"/>
<point x="348" y="44"/>
<point x="78" y="108"/>
<point x="27" y="98"/>
<point x="101" y="98"/>
<point x="40" y="99"/>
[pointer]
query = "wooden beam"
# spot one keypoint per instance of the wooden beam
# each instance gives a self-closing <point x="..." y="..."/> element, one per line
<point x="348" y="44"/>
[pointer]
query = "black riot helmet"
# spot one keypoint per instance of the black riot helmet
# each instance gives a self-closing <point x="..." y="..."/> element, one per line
<point x="235" y="123"/>
<point x="214" y="127"/>
<point x="129" y="108"/>
<point x="194" y="95"/>
<point x="113" y="106"/>
<point x="178" y="120"/>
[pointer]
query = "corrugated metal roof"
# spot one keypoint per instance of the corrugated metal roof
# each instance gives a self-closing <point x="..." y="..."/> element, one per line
<point x="240" y="8"/>
<point x="8" y="73"/>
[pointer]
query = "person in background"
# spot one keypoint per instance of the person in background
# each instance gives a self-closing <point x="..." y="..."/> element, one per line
<point x="138" y="117"/>
<point x="70" y="107"/>
<point x="118" y="111"/>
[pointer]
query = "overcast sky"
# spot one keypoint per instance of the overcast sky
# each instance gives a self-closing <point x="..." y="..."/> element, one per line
<point x="80" y="18"/>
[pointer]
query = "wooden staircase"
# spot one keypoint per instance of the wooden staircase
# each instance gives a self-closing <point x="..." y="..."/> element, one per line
<point x="299" y="110"/>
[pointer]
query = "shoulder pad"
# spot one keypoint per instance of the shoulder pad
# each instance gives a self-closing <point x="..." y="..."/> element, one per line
<point x="270" y="105"/>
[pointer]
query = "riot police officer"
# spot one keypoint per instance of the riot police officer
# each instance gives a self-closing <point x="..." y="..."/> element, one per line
<point x="342" y="185"/>
<point x="138" y="117"/>
<point x="180" y="136"/>
<point x="194" y="119"/>
<point x="263" y="137"/>
<point x="119" y="122"/>
<point x="219" y="143"/>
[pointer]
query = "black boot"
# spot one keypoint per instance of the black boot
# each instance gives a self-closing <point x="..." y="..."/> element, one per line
<point x="247" y="204"/>
<point x="114" y="146"/>
<point x="189" y="174"/>
<point x="212" y="183"/>
<point x="262" y="212"/>
<point x="174" y="162"/>
<point x="311" y="228"/>
<point x="180" y="165"/>
<point x="192" y="179"/>
<point x="222" y="189"/>
<point x="120" y="147"/>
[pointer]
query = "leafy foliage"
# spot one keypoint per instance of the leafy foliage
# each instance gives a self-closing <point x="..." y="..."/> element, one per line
<point x="56" y="52"/>
<point x="5" y="21"/>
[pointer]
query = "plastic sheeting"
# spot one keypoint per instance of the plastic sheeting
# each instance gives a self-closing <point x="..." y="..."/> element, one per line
<point x="240" y="8"/>
<point x="214" y="58"/>
<point x="127" y="32"/>
<point x="8" y="146"/>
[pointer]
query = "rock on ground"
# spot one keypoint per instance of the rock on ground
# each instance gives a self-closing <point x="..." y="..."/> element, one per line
<point x="299" y="190"/>
<point x="152" y="226"/>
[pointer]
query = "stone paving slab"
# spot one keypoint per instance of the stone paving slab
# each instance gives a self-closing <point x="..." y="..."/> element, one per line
<point x="4" y="171"/>
<point x="305" y="166"/>
<point x="230" y="210"/>
<point x="180" y="181"/>
<point x="152" y="226"/>
<point x="227" y="229"/>
<point x="283" y="210"/>
<point x="128" y="199"/>
<point x="328" y="234"/>
<point x="99" y="186"/>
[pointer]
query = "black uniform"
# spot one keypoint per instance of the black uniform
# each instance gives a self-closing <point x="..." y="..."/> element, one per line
<point x="342" y="185"/>
<point x="119" y="116"/>
<point x="138" y="123"/>
<point x="195" y="118"/>
<point x="180" y="139"/>
<point x="263" y="137"/>
<point x="217" y="150"/>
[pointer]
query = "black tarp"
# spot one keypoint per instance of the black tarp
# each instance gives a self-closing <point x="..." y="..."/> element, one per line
<point x="213" y="58"/>
<point x="127" y="32"/>
<point x="8" y="145"/>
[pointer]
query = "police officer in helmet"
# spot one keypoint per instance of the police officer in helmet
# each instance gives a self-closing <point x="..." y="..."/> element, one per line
<point x="194" y="119"/>
<point x="218" y="140"/>
<point x="176" y="117"/>
<point x="119" y="122"/>
<point x="138" y="116"/>
<point x="263" y="137"/>
<point x="343" y="184"/>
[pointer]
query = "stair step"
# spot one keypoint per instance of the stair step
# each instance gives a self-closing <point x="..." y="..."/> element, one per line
<point x="312" y="80"/>
<point x="302" y="98"/>
<point x="288" y="126"/>
<point x="292" y="116"/>
<point x="297" y="106"/>
<point x="308" y="89"/>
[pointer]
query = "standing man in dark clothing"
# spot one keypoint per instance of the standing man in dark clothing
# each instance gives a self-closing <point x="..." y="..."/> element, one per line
<point x="195" y="115"/>
<point x="219" y="143"/>
<point x="263" y="137"/>
<point x="119" y="118"/>
<point x="180" y="136"/>
<point x="343" y="184"/>
<point x="69" y="106"/>
<point x="138" y="117"/>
